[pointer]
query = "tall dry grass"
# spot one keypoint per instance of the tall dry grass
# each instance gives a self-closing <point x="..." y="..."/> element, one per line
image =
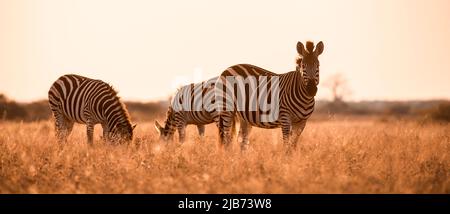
<point x="333" y="156"/>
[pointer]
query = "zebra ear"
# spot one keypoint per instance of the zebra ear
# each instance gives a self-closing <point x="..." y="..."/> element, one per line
<point x="158" y="127"/>
<point x="319" y="48"/>
<point x="301" y="49"/>
<point x="134" y="126"/>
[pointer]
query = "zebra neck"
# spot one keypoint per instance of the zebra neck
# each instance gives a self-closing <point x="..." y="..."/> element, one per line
<point x="114" y="113"/>
<point x="302" y="87"/>
<point x="114" y="122"/>
<point x="115" y="119"/>
<point x="170" y="125"/>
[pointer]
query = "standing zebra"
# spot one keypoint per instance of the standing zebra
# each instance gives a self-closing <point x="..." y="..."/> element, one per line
<point x="192" y="104"/>
<point x="75" y="98"/>
<point x="296" y="97"/>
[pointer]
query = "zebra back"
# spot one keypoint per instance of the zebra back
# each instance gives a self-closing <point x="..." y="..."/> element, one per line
<point x="191" y="104"/>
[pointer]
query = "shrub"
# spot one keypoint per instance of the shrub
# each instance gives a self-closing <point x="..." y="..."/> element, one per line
<point x="441" y="112"/>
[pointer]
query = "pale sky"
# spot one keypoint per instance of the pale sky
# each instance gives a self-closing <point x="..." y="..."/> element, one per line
<point x="394" y="50"/>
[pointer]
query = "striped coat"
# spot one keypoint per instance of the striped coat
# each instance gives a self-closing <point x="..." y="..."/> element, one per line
<point x="79" y="99"/>
<point x="192" y="104"/>
<point x="296" y="97"/>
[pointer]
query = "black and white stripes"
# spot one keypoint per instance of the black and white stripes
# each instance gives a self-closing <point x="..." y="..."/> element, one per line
<point x="192" y="104"/>
<point x="261" y="98"/>
<point x="296" y="96"/>
<point x="75" y="98"/>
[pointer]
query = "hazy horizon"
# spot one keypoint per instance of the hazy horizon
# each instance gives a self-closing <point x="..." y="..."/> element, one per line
<point x="387" y="50"/>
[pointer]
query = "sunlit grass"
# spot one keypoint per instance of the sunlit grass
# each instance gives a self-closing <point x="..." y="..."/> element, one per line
<point x="333" y="156"/>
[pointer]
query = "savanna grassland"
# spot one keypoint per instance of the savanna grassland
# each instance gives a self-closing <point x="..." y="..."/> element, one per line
<point x="335" y="155"/>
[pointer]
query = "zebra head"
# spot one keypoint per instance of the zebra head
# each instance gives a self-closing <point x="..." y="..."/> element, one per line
<point x="308" y="64"/>
<point x="122" y="132"/>
<point x="162" y="131"/>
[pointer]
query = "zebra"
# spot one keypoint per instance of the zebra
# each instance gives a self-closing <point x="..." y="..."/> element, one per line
<point x="296" y="97"/>
<point x="191" y="104"/>
<point x="73" y="98"/>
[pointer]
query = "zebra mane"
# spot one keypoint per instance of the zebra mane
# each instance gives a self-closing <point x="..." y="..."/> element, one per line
<point x="169" y="113"/>
<point x="298" y="60"/>
<point x="169" y="118"/>
<point x="125" y="111"/>
<point x="123" y="106"/>
<point x="309" y="46"/>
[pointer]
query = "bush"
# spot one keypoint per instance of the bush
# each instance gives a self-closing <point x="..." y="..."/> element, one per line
<point x="10" y="110"/>
<point x="39" y="110"/>
<point x="399" y="109"/>
<point x="441" y="112"/>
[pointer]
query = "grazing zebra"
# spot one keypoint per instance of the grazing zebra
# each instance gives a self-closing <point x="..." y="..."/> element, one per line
<point x="296" y="97"/>
<point x="75" y="98"/>
<point x="192" y="104"/>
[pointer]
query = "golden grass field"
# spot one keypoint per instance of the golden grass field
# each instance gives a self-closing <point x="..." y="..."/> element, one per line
<point x="336" y="155"/>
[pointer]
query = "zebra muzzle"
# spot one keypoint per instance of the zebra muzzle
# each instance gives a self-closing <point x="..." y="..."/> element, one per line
<point x="311" y="89"/>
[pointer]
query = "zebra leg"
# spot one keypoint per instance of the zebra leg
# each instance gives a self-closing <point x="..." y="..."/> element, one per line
<point x="286" y="129"/>
<point x="201" y="130"/>
<point x="233" y="129"/>
<point x="244" y="132"/>
<point x="90" y="132"/>
<point x="105" y="136"/>
<point x="226" y="119"/>
<point x="297" y="131"/>
<point x="63" y="126"/>
<point x="182" y="132"/>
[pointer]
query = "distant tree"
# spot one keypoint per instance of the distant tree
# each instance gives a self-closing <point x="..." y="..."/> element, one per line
<point x="441" y="112"/>
<point x="10" y="110"/>
<point x="338" y="85"/>
<point x="2" y="107"/>
<point x="3" y="98"/>
<point x="38" y="110"/>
